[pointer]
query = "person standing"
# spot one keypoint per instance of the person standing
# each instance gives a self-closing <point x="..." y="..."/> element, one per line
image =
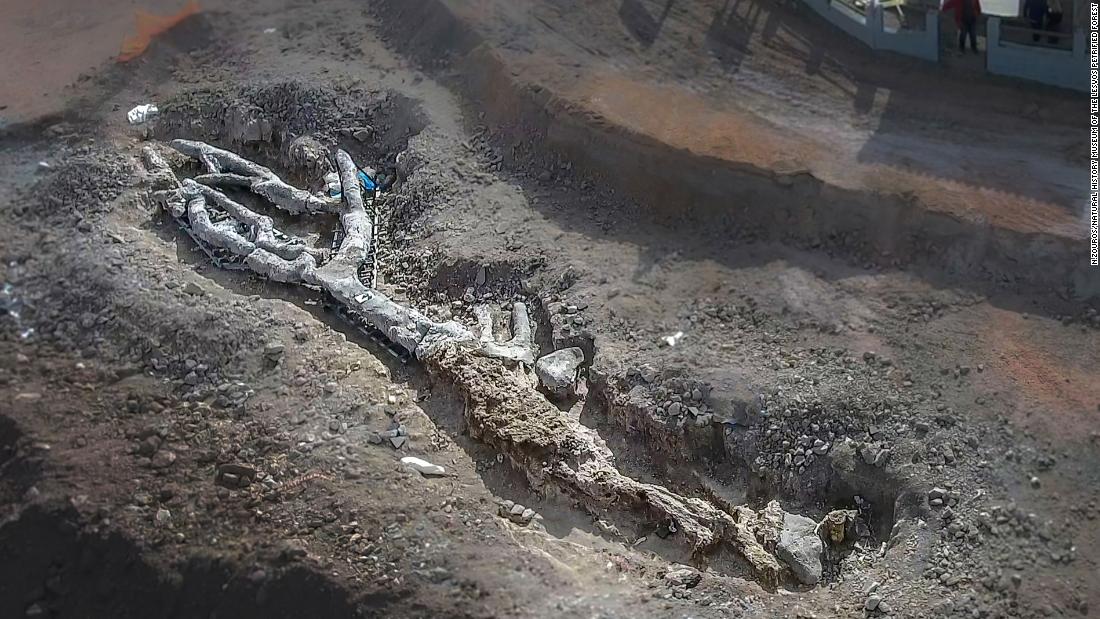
<point x="1036" y="12"/>
<point x="966" y="19"/>
<point x="1054" y="19"/>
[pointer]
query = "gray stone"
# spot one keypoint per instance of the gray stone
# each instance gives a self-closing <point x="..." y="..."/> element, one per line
<point x="882" y="457"/>
<point x="557" y="371"/>
<point x="362" y="134"/>
<point x="683" y="575"/>
<point x="800" y="548"/>
<point x="162" y="459"/>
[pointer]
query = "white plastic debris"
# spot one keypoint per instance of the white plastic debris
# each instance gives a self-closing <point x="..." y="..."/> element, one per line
<point x="424" y="467"/>
<point x="671" y="340"/>
<point x="142" y="113"/>
<point x="270" y="30"/>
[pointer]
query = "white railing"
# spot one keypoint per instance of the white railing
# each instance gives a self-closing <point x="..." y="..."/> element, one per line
<point x="1044" y="62"/>
<point x="869" y="28"/>
<point x="1058" y="64"/>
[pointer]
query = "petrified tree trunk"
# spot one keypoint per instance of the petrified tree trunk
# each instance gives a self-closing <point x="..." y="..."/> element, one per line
<point x="503" y="407"/>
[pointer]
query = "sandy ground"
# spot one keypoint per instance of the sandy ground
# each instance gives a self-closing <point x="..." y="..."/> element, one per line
<point x="49" y="45"/>
<point x="112" y="445"/>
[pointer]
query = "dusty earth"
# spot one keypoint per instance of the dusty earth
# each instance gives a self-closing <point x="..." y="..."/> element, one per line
<point x="935" y="372"/>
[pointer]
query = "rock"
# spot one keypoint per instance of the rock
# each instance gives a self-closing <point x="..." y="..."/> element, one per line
<point x="872" y="603"/>
<point x="163" y="516"/>
<point x="398" y="441"/>
<point x="235" y="475"/>
<point x="292" y="549"/>
<point x="407" y="162"/>
<point x="149" y="446"/>
<point x="162" y="459"/>
<point x="882" y="457"/>
<point x="274" y="350"/>
<point x="424" y="467"/>
<point x="193" y="289"/>
<point x="557" y="371"/>
<point x="800" y="548"/>
<point x="682" y="575"/>
<point x="362" y="134"/>
<point x="516" y="512"/>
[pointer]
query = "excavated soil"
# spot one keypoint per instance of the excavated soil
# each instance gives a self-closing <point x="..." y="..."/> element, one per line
<point x="953" y="405"/>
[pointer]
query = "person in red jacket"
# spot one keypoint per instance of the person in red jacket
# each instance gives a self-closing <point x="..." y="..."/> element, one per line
<point x="966" y="18"/>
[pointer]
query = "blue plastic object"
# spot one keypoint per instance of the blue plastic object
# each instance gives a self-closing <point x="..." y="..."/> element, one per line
<point x="368" y="182"/>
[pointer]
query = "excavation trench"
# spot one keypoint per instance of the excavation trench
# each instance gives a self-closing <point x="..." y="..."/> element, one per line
<point x="716" y="460"/>
<point x="555" y="451"/>
<point x="652" y="448"/>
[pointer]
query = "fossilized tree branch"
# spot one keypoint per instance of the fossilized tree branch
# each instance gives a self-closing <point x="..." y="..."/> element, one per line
<point x="354" y="219"/>
<point x="263" y="229"/>
<point x="503" y="408"/>
<point x="225" y="168"/>
<point x="166" y="187"/>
